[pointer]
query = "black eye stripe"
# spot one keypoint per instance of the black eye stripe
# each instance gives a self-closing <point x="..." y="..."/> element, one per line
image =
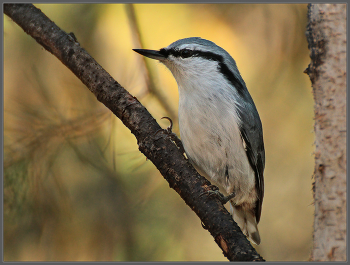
<point x="195" y="53"/>
<point x="164" y="52"/>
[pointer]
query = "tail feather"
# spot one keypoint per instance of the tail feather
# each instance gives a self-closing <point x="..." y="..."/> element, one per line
<point x="247" y="222"/>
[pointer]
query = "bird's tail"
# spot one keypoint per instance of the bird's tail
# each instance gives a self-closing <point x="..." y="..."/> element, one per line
<point x="247" y="222"/>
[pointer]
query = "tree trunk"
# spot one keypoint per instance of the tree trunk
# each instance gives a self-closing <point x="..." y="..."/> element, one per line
<point x="326" y="34"/>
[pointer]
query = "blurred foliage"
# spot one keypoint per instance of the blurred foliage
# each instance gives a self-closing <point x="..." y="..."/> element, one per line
<point x="76" y="188"/>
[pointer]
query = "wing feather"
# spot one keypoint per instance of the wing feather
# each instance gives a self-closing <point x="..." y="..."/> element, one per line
<point x="252" y="136"/>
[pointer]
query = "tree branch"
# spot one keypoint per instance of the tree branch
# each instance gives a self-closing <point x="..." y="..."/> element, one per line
<point x="158" y="148"/>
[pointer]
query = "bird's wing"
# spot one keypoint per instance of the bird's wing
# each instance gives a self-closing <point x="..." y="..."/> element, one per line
<point x="251" y="133"/>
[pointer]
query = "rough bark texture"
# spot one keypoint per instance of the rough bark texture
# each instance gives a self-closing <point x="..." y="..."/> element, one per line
<point x="326" y="34"/>
<point x="158" y="148"/>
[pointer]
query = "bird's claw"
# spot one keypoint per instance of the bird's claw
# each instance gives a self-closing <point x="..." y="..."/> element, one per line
<point x="223" y="199"/>
<point x="172" y="135"/>
<point x="213" y="191"/>
<point x="169" y="129"/>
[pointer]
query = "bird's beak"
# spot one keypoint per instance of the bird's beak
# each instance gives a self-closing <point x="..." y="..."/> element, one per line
<point x="150" y="54"/>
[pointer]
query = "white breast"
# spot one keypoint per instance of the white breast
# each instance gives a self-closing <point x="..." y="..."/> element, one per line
<point x="211" y="137"/>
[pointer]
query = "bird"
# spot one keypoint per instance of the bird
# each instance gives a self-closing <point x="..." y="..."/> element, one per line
<point x="220" y="127"/>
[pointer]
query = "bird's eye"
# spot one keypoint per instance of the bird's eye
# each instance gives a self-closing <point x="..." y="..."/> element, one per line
<point x="186" y="53"/>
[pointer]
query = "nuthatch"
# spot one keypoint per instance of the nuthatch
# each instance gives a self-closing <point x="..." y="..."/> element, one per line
<point x="220" y="127"/>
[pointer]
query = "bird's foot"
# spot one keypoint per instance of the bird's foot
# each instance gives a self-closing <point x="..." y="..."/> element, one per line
<point x="172" y="135"/>
<point x="215" y="192"/>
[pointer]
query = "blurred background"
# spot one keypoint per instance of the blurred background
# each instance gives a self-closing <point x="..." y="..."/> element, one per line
<point x="76" y="188"/>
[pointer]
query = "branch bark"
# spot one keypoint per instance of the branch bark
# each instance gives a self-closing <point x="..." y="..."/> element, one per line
<point x="158" y="148"/>
<point x="326" y="34"/>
